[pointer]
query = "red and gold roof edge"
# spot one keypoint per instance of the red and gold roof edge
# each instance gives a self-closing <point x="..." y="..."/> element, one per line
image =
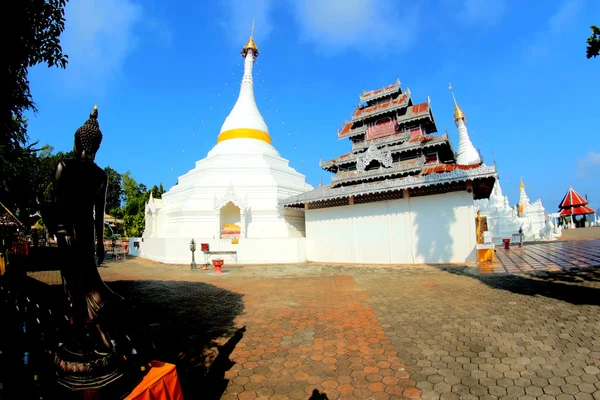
<point x="578" y="210"/>
<point x="572" y="199"/>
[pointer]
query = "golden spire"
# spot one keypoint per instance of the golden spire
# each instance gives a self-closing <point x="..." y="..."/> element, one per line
<point x="522" y="185"/>
<point x="458" y="113"/>
<point x="250" y="45"/>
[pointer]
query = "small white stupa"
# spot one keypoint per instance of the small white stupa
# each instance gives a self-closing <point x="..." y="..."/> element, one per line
<point x="533" y="213"/>
<point x="230" y="199"/>
<point x="504" y="221"/>
<point x="466" y="153"/>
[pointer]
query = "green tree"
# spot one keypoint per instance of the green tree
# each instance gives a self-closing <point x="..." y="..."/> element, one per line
<point x="136" y="196"/>
<point x="45" y="168"/>
<point x="593" y="47"/>
<point x="114" y="192"/>
<point x="31" y="38"/>
<point x="157" y="191"/>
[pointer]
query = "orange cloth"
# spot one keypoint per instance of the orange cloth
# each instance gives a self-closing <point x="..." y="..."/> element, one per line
<point x="160" y="383"/>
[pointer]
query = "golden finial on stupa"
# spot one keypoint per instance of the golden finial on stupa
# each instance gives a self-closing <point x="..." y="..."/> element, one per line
<point x="250" y="45"/>
<point x="458" y="113"/>
<point x="522" y="185"/>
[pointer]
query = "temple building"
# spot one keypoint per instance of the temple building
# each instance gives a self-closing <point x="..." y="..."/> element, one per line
<point x="401" y="195"/>
<point x="230" y="199"/>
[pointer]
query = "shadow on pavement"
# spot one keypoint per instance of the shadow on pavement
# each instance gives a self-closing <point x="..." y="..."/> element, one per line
<point x="176" y="322"/>
<point x="184" y="320"/>
<point x="316" y="395"/>
<point x="572" y="286"/>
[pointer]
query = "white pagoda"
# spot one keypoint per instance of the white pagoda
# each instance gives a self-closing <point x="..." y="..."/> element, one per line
<point x="504" y="221"/>
<point x="230" y="199"/>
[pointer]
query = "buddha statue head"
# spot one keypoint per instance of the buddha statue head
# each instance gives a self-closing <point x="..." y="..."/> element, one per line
<point x="88" y="138"/>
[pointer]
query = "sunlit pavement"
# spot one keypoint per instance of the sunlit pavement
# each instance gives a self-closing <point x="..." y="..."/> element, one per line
<point x="401" y="332"/>
<point x="545" y="256"/>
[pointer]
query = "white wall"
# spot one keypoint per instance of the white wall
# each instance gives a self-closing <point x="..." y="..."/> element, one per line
<point x="428" y="229"/>
<point x="135" y="251"/>
<point x="249" y="251"/>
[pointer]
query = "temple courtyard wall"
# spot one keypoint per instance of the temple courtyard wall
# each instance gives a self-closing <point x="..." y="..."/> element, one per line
<point x="428" y="229"/>
<point x="249" y="251"/>
<point x="415" y="230"/>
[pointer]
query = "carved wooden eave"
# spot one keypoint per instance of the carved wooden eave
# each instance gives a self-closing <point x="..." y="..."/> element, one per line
<point x="379" y="93"/>
<point x="329" y="193"/>
<point x="230" y="196"/>
<point x="402" y="167"/>
<point x="406" y="145"/>
<point x="361" y="130"/>
<point x="399" y="136"/>
<point x="380" y="109"/>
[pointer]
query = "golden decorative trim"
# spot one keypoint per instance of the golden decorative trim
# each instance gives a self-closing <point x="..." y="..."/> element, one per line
<point x="244" y="133"/>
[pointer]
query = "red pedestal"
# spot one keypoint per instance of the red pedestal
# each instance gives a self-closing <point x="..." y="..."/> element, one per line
<point x="506" y="242"/>
<point x="218" y="264"/>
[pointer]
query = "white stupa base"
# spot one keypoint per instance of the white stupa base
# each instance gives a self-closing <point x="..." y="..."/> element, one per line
<point x="249" y="251"/>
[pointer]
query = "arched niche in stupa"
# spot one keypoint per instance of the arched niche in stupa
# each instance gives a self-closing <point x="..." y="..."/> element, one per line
<point x="231" y="220"/>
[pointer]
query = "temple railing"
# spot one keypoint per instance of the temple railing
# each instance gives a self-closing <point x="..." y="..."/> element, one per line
<point x="401" y="167"/>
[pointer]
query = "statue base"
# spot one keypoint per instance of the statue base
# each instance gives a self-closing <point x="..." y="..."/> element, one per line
<point x="78" y="371"/>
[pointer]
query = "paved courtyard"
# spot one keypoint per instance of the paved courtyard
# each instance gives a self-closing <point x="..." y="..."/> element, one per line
<point x="367" y="332"/>
<point x="549" y="256"/>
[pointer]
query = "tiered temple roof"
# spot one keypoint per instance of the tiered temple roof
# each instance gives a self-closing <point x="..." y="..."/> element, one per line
<point x="574" y="204"/>
<point x="393" y="150"/>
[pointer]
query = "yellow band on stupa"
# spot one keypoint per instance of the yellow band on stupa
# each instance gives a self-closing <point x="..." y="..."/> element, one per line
<point x="244" y="133"/>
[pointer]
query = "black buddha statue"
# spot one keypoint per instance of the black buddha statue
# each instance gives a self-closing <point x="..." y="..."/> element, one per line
<point x="87" y="358"/>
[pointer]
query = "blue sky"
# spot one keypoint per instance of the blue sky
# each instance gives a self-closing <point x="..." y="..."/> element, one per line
<point x="166" y="74"/>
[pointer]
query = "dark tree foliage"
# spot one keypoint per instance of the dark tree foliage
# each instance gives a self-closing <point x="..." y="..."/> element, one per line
<point x="114" y="192"/>
<point x="45" y="168"/>
<point x="31" y="177"/>
<point x="593" y="47"/>
<point x="31" y="36"/>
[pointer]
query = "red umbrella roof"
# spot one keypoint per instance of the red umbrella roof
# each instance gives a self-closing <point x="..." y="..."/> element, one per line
<point x="579" y="210"/>
<point x="572" y="199"/>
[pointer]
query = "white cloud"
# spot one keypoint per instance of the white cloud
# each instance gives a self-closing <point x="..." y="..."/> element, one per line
<point x="487" y="12"/>
<point x="564" y="16"/>
<point x="239" y="15"/>
<point x="365" y="25"/>
<point x="333" y="25"/>
<point x="99" y="35"/>
<point x="161" y="30"/>
<point x="588" y="164"/>
<point x="559" y="22"/>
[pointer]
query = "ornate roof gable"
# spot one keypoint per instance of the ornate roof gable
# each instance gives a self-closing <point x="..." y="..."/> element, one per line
<point x="373" y="153"/>
<point x="230" y="196"/>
